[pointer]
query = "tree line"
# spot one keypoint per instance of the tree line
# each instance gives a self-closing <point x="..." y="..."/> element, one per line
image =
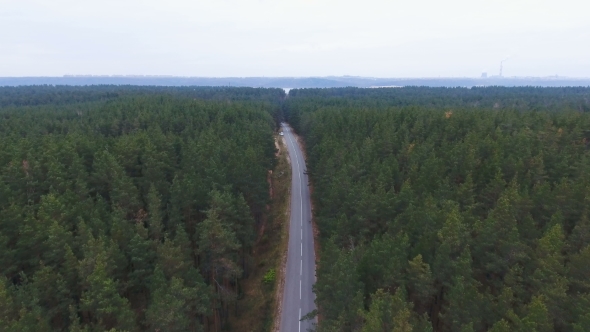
<point x="130" y="208"/>
<point x="449" y="209"/>
<point x="65" y="94"/>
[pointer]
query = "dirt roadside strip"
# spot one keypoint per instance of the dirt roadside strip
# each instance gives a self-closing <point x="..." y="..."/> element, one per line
<point x="280" y="282"/>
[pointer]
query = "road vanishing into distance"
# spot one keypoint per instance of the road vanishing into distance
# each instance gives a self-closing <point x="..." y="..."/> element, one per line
<point x="298" y="298"/>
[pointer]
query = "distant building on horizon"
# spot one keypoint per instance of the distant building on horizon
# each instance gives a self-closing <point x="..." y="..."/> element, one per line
<point x="484" y="75"/>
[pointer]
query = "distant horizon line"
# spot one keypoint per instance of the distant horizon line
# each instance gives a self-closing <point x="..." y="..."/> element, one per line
<point x="301" y="77"/>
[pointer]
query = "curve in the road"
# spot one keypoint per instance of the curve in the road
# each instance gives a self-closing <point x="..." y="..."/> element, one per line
<point x="298" y="297"/>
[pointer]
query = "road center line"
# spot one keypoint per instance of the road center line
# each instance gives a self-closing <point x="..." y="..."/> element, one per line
<point x="301" y="268"/>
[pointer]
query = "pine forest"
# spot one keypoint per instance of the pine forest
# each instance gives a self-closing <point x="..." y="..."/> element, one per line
<point x="449" y="209"/>
<point x="127" y="208"/>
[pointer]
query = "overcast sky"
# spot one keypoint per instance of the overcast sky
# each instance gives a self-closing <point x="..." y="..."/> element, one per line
<point x="379" y="38"/>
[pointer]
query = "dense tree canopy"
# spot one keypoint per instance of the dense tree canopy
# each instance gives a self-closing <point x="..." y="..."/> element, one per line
<point x="136" y="208"/>
<point x="61" y="95"/>
<point x="129" y="209"/>
<point x="449" y="209"/>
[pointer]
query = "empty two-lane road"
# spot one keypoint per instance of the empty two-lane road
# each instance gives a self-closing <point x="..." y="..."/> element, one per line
<point x="298" y="298"/>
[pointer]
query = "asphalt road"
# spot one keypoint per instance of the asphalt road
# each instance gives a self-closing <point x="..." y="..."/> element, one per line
<point x="298" y="298"/>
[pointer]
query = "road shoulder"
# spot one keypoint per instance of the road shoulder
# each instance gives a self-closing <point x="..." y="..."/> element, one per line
<point x="260" y="308"/>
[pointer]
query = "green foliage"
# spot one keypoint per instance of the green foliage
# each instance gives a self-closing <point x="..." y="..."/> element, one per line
<point x="136" y="208"/>
<point x="387" y="313"/>
<point x="269" y="277"/>
<point x="130" y="208"/>
<point x="473" y="202"/>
